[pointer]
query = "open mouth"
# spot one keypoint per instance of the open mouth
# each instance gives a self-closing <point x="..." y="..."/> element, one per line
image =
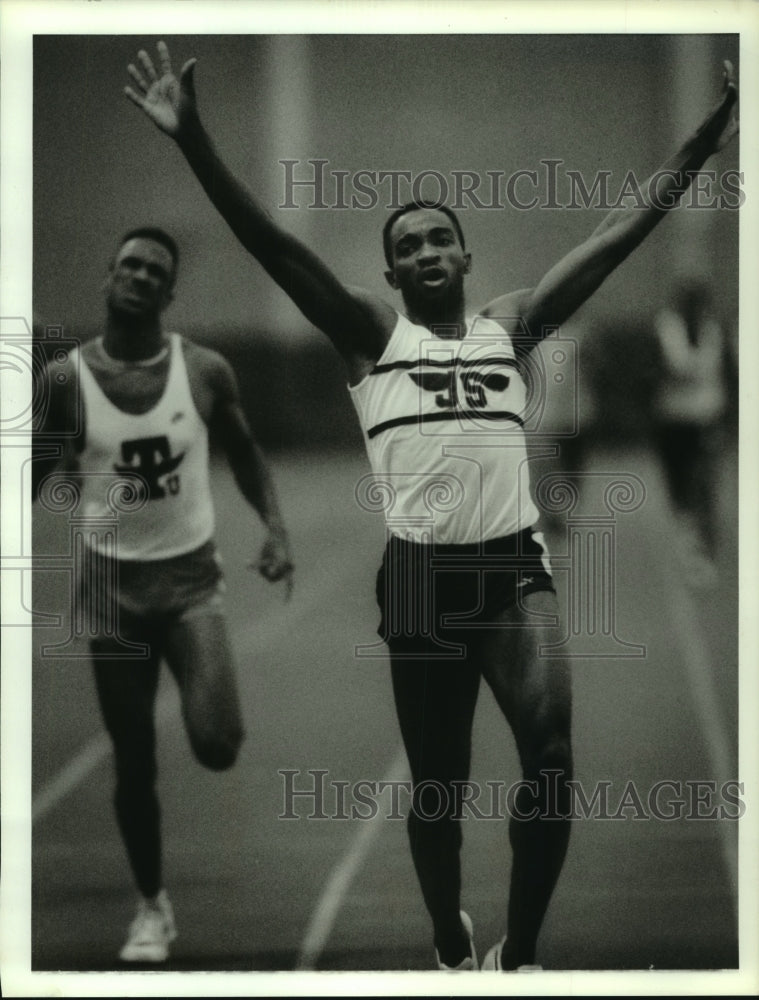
<point x="432" y="277"/>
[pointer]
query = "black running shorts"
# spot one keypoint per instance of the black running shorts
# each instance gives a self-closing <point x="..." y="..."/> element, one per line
<point x="432" y="596"/>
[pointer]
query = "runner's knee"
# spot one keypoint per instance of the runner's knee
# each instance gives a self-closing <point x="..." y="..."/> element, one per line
<point x="551" y="752"/>
<point x="218" y="751"/>
<point x="547" y="770"/>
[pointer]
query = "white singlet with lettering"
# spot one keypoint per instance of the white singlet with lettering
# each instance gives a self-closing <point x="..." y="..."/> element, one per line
<point x="149" y="472"/>
<point x="443" y="425"/>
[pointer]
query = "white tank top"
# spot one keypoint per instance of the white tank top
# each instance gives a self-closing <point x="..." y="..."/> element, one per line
<point x="149" y="470"/>
<point x="443" y="425"/>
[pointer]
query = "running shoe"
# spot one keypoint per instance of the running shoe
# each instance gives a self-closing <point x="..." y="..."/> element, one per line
<point x="492" y="961"/>
<point x="468" y="964"/>
<point x="151" y="931"/>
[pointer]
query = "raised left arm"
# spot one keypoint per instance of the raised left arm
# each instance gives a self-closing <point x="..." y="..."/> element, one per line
<point x="570" y="282"/>
<point x="230" y="428"/>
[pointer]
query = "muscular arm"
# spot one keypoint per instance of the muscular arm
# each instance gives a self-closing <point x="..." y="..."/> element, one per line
<point x="358" y="327"/>
<point x="573" y="280"/>
<point x="229" y="427"/>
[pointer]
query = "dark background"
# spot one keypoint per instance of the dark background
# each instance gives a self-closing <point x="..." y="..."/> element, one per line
<point x="394" y="102"/>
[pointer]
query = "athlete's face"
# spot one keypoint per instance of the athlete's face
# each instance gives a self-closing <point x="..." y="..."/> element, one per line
<point x="429" y="262"/>
<point x="141" y="278"/>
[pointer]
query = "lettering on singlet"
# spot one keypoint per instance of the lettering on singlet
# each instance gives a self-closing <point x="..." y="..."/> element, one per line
<point x="151" y="459"/>
<point x="464" y="389"/>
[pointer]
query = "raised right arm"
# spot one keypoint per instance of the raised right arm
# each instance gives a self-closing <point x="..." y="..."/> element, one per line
<point x="358" y="324"/>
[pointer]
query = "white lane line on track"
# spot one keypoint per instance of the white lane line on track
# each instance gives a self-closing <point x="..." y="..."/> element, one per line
<point x="692" y="643"/>
<point x="336" y="887"/>
<point x="697" y="658"/>
<point x="86" y="760"/>
<point x="701" y="675"/>
<point x="77" y="769"/>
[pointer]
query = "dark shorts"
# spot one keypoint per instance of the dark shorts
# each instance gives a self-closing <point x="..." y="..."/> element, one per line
<point x="125" y="596"/>
<point x="433" y="597"/>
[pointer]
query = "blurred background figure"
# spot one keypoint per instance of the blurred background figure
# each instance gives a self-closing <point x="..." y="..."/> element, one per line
<point x="608" y="417"/>
<point x="663" y="389"/>
<point x="690" y="412"/>
<point x="662" y="894"/>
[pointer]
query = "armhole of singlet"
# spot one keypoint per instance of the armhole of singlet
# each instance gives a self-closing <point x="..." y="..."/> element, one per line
<point x="182" y="343"/>
<point x="389" y="347"/>
<point x="491" y="326"/>
<point x="176" y="359"/>
<point x="83" y="370"/>
<point x="179" y="357"/>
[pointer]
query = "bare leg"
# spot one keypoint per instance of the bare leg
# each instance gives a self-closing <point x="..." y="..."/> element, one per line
<point x="435" y="702"/>
<point x="126" y="691"/>
<point x="198" y="653"/>
<point x="534" y="693"/>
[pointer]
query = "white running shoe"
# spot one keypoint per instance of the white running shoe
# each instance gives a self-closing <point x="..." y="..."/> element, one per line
<point x="468" y="964"/>
<point x="151" y="931"/>
<point x="492" y="961"/>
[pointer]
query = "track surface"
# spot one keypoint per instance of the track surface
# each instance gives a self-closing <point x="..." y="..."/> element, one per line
<point x="253" y="891"/>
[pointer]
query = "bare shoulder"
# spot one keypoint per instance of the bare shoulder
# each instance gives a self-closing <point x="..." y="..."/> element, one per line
<point x="509" y="310"/>
<point x="381" y="320"/>
<point x="64" y="365"/>
<point x="59" y="387"/>
<point x="212" y="380"/>
<point x="208" y="367"/>
<point x="383" y="315"/>
<point x="89" y="350"/>
<point x="62" y="376"/>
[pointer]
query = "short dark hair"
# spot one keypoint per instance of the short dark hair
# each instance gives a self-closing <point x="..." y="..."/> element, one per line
<point x="412" y="206"/>
<point x="158" y="236"/>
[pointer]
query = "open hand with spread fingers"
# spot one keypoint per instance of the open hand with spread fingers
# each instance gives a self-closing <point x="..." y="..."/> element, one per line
<point x="168" y="102"/>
